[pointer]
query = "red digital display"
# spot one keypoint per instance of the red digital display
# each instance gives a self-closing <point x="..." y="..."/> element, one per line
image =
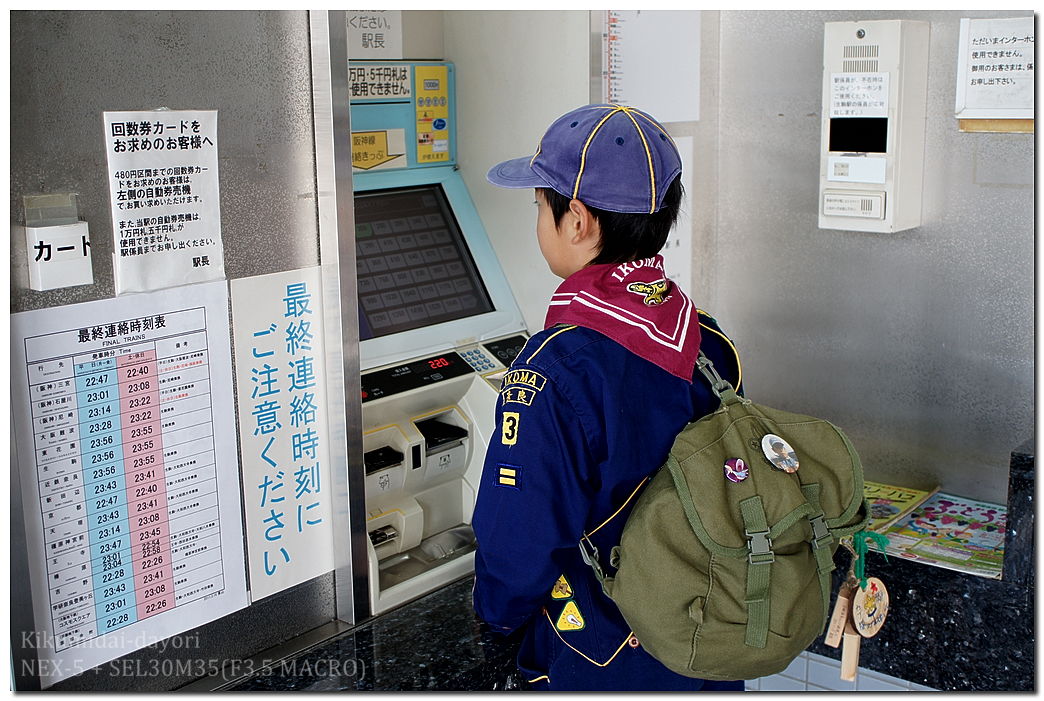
<point x="436" y="363"/>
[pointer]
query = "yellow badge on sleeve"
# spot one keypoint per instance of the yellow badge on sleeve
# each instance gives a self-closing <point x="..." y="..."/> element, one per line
<point x="562" y="590"/>
<point x="570" y="619"/>
<point x="509" y="428"/>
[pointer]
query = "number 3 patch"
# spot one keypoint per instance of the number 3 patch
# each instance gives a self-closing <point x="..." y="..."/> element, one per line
<point x="509" y="429"/>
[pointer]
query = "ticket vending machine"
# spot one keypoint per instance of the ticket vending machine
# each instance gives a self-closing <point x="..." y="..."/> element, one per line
<point x="438" y="327"/>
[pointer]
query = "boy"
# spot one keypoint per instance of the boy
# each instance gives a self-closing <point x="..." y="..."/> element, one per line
<point x="591" y="406"/>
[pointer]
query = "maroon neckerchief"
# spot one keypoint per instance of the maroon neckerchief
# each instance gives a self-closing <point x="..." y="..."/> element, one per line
<point x="635" y="305"/>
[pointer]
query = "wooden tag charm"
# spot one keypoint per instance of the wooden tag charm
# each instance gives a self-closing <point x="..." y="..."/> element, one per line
<point x="840" y="615"/>
<point x="850" y="653"/>
<point x="870" y="607"/>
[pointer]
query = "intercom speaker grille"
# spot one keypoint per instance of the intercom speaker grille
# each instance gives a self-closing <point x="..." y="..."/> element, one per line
<point x="861" y="58"/>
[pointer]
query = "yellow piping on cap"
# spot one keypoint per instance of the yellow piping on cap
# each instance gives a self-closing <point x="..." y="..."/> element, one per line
<point x="648" y="157"/>
<point x="587" y="144"/>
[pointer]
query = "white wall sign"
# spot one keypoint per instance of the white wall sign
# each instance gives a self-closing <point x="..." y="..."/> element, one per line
<point x="285" y="441"/>
<point x="379" y="81"/>
<point x="166" y="209"/>
<point x="858" y="95"/>
<point x="59" y="256"/>
<point x="995" y="69"/>
<point x="651" y="60"/>
<point x="374" y="34"/>
<point x="131" y="501"/>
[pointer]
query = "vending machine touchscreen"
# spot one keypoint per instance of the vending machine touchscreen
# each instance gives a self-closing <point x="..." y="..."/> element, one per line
<point x="438" y="328"/>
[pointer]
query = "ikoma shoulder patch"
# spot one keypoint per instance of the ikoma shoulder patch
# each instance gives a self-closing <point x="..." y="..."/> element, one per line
<point x="521" y="386"/>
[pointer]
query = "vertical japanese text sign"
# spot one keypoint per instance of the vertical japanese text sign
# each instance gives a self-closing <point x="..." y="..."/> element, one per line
<point x="163" y="184"/>
<point x="277" y="322"/>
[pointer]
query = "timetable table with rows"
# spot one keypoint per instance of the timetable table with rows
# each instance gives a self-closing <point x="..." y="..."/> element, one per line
<point x="124" y="438"/>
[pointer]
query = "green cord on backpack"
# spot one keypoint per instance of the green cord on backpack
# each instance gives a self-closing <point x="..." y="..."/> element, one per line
<point x="728" y="576"/>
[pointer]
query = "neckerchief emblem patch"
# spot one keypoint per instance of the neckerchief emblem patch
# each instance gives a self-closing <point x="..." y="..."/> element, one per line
<point x="652" y="291"/>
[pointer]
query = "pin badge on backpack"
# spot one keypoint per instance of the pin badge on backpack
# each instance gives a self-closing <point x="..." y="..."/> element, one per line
<point x="779" y="453"/>
<point x="736" y="470"/>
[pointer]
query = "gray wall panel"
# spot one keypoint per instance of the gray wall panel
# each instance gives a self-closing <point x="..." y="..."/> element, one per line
<point x="920" y="343"/>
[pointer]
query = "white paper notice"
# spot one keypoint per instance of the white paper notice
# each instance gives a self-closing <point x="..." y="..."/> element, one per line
<point x="677" y="251"/>
<point x="166" y="207"/>
<point x="651" y="61"/>
<point x="282" y="420"/>
<point x="374" y="34"/>
<point x="858" y="95"/>
<point x="132" y="508"/>
<point x="995" y="69"/>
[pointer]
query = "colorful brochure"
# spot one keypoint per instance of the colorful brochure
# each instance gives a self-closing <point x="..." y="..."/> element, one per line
<point x="889" y="503"/>
<point x="953" y="532"/>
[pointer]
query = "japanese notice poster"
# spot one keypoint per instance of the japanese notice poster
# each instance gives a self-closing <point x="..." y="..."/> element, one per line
<point x="995" y="69"/>
<point x="163" y="184"/>
<point x="132" y="510"/>
<point x="374" y="34"/>
<point x="651" y="60"/>
<point x="283" y="427"/>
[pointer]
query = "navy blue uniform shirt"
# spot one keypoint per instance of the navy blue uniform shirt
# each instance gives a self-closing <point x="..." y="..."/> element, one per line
<point x="580" y="424"/>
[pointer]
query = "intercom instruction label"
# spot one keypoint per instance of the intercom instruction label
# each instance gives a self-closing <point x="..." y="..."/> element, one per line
<point x="858" y="95"/>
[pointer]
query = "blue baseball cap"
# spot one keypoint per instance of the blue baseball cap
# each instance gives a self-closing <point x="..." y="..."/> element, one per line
<point x="609" y="157"/>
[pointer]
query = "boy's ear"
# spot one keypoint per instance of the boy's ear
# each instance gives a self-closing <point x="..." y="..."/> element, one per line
<point x="583" y="224"/>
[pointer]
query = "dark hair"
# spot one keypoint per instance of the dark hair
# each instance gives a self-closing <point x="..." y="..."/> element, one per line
<point x="626" y="237"/>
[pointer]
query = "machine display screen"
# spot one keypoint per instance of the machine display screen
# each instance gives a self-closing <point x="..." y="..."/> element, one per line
<point x="414" y="267"/>
<point x="859" y="134"/>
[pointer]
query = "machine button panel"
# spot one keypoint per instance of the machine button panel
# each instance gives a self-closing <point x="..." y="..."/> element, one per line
<point x="478" y="359"/>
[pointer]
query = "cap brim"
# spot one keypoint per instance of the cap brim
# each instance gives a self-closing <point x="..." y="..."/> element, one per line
<point x="516" y="173"/>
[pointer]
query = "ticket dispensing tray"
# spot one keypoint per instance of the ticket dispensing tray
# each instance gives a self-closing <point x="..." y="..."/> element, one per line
<point x="432" y="552"/>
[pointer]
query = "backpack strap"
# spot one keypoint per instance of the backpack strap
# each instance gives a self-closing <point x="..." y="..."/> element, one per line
<point x="759" y="570"/>
<point x="820" y="542"/>
<point x="722" y="389"/>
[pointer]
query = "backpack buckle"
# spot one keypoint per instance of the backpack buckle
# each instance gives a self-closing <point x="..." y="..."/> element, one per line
<point x="760" y="546"/>
<point x="820" y="532"/>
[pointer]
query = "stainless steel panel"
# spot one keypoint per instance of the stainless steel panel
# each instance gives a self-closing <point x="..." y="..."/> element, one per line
<point x="254" y="68"/>
<point x="337" y="247"/>
<point x="68" y="67"/>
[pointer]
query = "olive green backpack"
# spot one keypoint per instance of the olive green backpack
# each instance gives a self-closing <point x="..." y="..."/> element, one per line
<point x="731" y="579"/>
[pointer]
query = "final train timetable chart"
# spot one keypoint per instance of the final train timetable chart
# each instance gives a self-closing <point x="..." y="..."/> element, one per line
<point x="128" y="467"/>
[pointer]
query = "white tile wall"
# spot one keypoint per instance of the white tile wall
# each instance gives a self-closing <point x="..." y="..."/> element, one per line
<point x="812" y="672"/>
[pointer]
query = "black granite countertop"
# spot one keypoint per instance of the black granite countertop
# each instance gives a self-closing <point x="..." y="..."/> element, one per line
<point x="945" y="629"/>
<point x="434" y="643"/>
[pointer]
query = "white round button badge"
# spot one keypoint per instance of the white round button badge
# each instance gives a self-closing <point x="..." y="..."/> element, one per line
<point x="779" y="453"/>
